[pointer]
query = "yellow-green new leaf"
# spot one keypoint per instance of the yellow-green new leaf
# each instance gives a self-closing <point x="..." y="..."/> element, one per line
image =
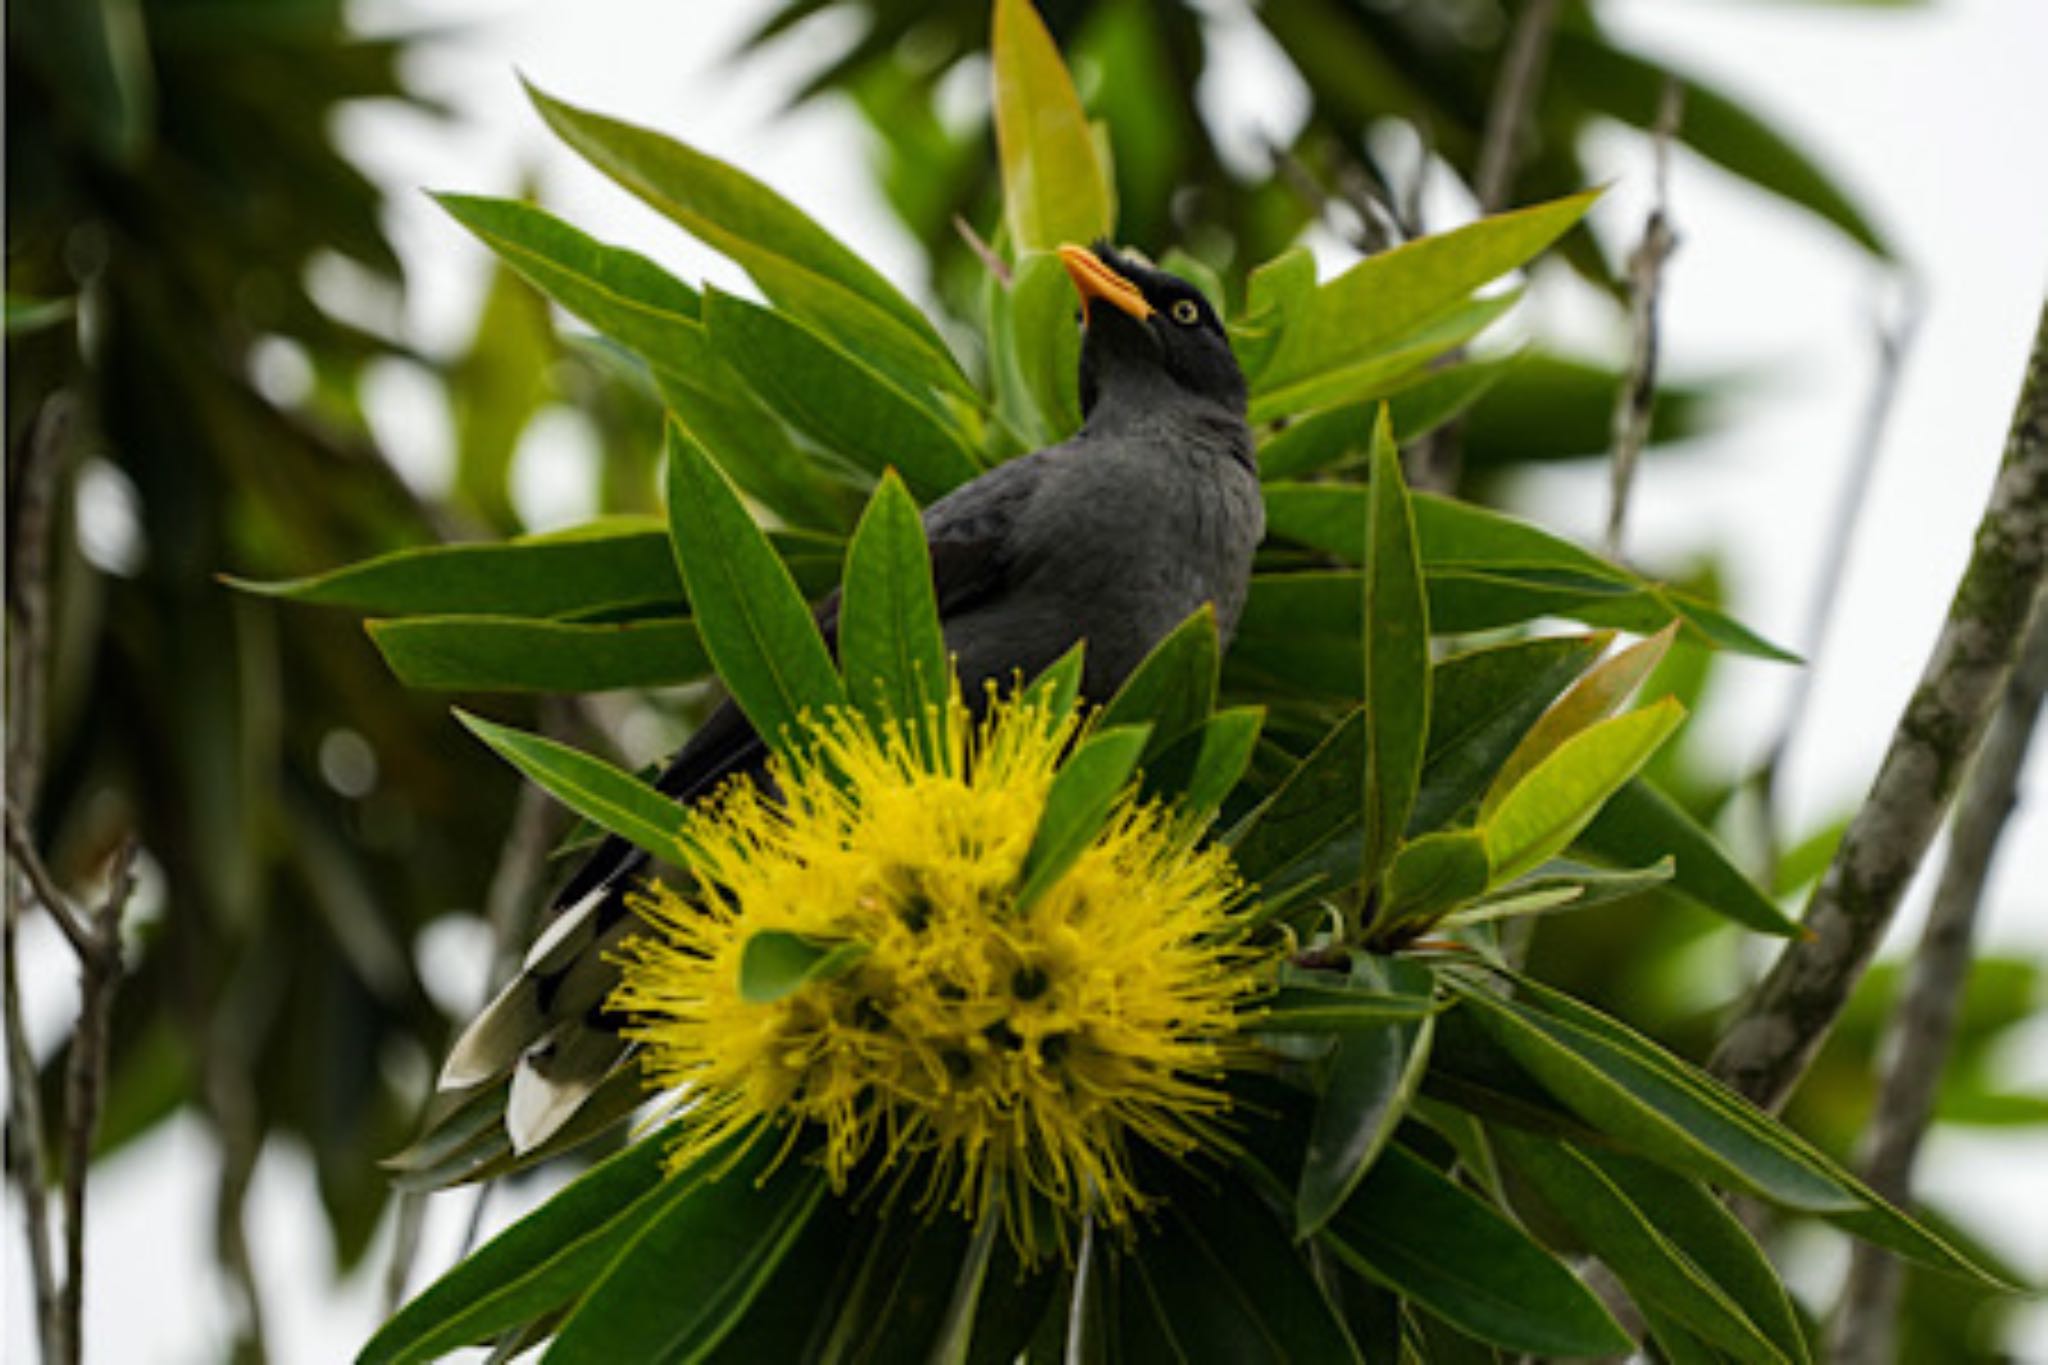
<point x="891" y="649"/>
<point x="1547" y="809"/>
<point x="1396" y="657"/>
<point x="1054" y="190"/>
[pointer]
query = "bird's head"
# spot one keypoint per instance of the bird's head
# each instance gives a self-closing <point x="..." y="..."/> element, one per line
<point x="1141" y="323"/>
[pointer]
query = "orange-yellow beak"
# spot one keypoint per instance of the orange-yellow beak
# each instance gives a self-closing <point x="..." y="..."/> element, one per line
<point x="1093" y="280"/>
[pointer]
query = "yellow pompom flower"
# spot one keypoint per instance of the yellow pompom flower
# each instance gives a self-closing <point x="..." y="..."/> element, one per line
<point x="1007" y="1056"/>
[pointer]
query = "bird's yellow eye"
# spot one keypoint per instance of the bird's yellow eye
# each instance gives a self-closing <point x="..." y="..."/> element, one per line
<point x="1185" y="312"/>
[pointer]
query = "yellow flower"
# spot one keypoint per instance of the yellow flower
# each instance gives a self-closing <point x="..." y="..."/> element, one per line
<point x="1009" y="1056"/>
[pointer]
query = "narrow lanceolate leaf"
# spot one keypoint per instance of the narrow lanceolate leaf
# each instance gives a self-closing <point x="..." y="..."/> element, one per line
<point x="629" y="566"/>
<point x="787" y="253"/>
<point x="775" y="963"/>
<point x="1657" y="1274"/>
<point x="694" y="1269"/>
<point x="1547" y="809"/>
<point x="1082" y="795"/>
<point x="1368" y="1081"/>
<point x="1200" y="769"/>
<point x="1396" y="659"/>
<point x="1575" y="889"/>
<point x="499" y="654"/>
<point x="1313" y="809"/>
<point x="1401" y="290"/>
<point x="1408" y="1227"/>
<point x="531" y="1268"/>
<point x="755" y="623"/>
<point x="1846" y="1202"/>
<point x="1054" y="190"/>
<point x="1338" y="1005"/>
<point x="1174" y="688"/>
<point x="837" y="399"/>
<point x="591" y="787"/>
<point x="1045" y="343"/>
<point x="1639" y="822"/>
<point x="1593" y="697"/>
<point x="1397" y="363"/>
<point x="891" y="650"/>
<point x="1344" y="434"/>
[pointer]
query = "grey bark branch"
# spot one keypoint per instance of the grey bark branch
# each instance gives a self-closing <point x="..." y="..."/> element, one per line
<point x="1782" y="1024"/>
<point x="1515" y="91"/>
<point x="1923" y="1029"/>
<point x="1636" y="404"/>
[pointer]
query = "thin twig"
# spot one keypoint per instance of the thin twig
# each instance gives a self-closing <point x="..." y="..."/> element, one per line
<point x="85" y="1082"/>
<point x="1781" y="1026"/>
<point x="31" y="502"/>
<point x="989" y="257"/>
<point x="1515" y="92"/>
<point x="1894" y="336"/>
<point x="1923" y="1028"/>
<point x="1636" y="404"/>
<point x="54" y="902"/>
<point x="1372" y="227"/>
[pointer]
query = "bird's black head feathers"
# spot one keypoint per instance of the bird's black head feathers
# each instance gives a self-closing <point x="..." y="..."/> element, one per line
<point x="1181" y="336"/>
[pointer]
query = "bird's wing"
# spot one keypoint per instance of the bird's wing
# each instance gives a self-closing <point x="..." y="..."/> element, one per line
<point x="548" y="1026"/>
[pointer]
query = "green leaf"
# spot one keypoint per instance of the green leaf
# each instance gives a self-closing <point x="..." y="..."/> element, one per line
<point x="693" y="1270"/>
<point x="1225" y="1282"/>
<point x="1371" y="1076"/>
<point x="494" y="654"/>
<point x="1593" y="697"/>
<point x="1321" y="1002"/>
<point x="1054" y="190"/>
<point x="1433" y="875"/>
<point x="539" y="1263"/>
<point x="754" y="447"/>
<point x="1275" y="295"/>
<point x="837" y="399"/>
<point x="775" y="963"/>
<point x="1399" y="291"/>
<point x="624" y="566"/>
<point x="25" y="316"/>
<point x="1330" y="517"/>
<point x="592" y="788"/>
<point x="1396" y="659"/>
<point x="1083" y="793"/>
<point x="891" y="649"/>
<point x="1715" y="1240"/>
<point x="1059" y="686"/>
<point x="1317" y="803"/>
<point x="1202" y="767"/>
<point x="1173" y="688"/>
<point x="1047" y="344"/>
<point x="1408" y="1227"/>
<point x="756" y="626"/>
<point x="795" y="261"/>
<point x="1575" y="890"/>
<point x="1344" y="433"/>
<point x="1481" y="703"/>
<point x="956" y="1330"/>
<point x="1397" y="364"/>
<point x="1547" y="809"/>
<point x="1639" y="822"/>
<point x="1657" y="1274"/>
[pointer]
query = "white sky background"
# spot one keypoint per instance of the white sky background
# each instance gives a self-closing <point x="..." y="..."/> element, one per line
<point x="1935" y="118"/>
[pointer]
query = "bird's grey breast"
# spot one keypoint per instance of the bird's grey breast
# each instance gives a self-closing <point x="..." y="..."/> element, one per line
<point x="1130" y="531"/>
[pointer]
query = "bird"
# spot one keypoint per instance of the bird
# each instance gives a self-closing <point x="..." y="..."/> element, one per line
<point x="1112" y="537"/>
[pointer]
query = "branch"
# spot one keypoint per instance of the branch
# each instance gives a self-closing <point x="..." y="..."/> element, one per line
<point x="1781" y="1026"/>
<point x="1924" y="1028"/>
<point x="1514" y="99"/>
<point x="1636" y="404"/>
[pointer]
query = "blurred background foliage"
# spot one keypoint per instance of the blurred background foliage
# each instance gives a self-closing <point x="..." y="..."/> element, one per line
<point x="193" y="273"/>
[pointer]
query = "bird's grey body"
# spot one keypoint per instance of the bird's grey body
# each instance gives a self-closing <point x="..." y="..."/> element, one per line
<point x="1113" y="537"/>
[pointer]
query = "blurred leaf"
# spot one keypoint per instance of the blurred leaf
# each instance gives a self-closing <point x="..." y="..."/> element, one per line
<point x="891" y="650"/>
<point x="775" y="963"/>
<point x="1054" y="190"/>
<point x="1596" y="695"/>
<point x="1413" y="1230"/>
<point x="755" y="624"/>
<point x="495" y="389"/>
<point x="1639" y="823"/>
<point x="835" y="398"/>
<point x="1083" y="792"/>
<point x="1546" y="810"/>
<point x="1045" y="342"/>
<point x="1546" y="407"/>
<point x="1368" y="1082"/>
<point x="592" y="788"/>
<point x="494" y="654"/>
<point x="26" y="315"/>
<point x="1433" y="874"/>
<point x="1396" y="658"/>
